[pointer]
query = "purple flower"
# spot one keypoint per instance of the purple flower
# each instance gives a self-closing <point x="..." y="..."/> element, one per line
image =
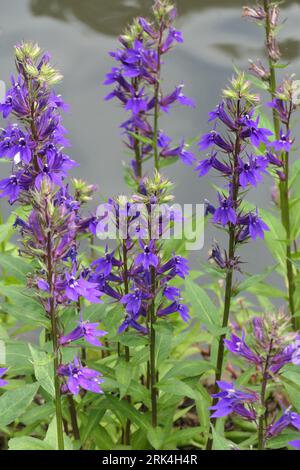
<point x="86" y="330"/>
<point x="177" y="266"/>
<point x="175" y="307"/>
<point x="171" y="292"/>
<point x="177" y="95"/>
<point x="7" y="106"/>
<point x="233" y="400"/>
<point x="255" y="227"/>
<point x="217" y="256"/>
<point x="238" y="346"/>
<point x="225" y="213"/>
<point x="212" y="162"/>
<point x="220" y="113"/>
<point x="106" y="263"/>
<point x="10" y="187"/>
<point x="251" y="171"/>
<point x="133" y="301"/>
<point x="148" y="257"/>
<point x="214" y="138"/>
<point x="284" y="143"/>
<point x="78" y="377"/>
<point x="257" y="135"/>
<point x="2" y="372"/>
<point x="289" y="418"/>
<point x="54" y="169"/>
<point x="131" y="322"/>
<point x="76" y="287"/>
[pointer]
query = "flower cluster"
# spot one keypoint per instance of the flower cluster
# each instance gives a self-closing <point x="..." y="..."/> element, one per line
<point x="269" y="351"/>
<point x="233" y="154"/>
<point x="137" y="81"/>
<point x="52" y="226"/>
<point x="128" y="277"/>
<point x="35" y="145"/>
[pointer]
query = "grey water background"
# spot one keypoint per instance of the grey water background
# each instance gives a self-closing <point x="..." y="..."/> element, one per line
<point x="80" y="33"/>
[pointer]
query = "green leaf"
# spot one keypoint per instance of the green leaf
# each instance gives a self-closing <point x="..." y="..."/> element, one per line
<point x="28" y="443"/>
<point x="13" y="403"/>
<point x="202" y="306"/>
<point x="51" y="437"/>
<point x="43" y="369"/>
<point x="128" y="411"/>
<point x="123" y="376"/>
<point x="220" y="443"/>
<point x="176" y="388"/>
<point x="188" y="368"/>
<point x="14" y="266"/>
<point x="23" y="306"/>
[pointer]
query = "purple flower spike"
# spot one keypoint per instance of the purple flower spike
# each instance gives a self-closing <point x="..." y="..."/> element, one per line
<point x="2" y="372"/>
<point x="78" y="377"/>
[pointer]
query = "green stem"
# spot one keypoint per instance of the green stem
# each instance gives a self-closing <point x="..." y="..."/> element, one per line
<point x="73" y="416"/>
<point x="156" y="106"/>
<point x="283" y="185"/>
<point x="152" y="344"/>
<point x="127" y="351"/>
<point x="229" y="276"/>
<point x="54" y="334"/>
<point x="263" y="417"/>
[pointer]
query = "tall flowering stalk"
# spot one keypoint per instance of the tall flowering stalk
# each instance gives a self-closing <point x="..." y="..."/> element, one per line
<point x="138" y="83"/>
<point x="284" y="103"/>
<point x="144" y="286"/>
<point x="269" y="348"/>
<point x="234" y="159"/>
<point x="52" y="221"/>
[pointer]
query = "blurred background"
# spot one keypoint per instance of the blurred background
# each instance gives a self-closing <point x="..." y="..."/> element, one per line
<point x="80" y="33"/>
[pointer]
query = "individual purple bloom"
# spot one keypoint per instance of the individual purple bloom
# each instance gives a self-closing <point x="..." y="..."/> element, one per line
<point x="220" y="113"/>
<point x="2" y="372"/>
<point x="238" y="346"/>
<point x="180" y="151"/>
<point x="171" y="292"/>
<point x="176" y="96"/>
<point x="225" y="213"/>
<point x="86" y="330"/>
<point x="295" y="443"/>
<point x="255" y="227"/>
<point x="10" y="188"/>
<point x="217" y="256"/>
<point x="54" y="169"/>
<point x="284" y="143"/>
<point x="252" y="170"/>
<point x="177" y="266"/>
<point x="131" y="322"/>
<point x="257" y="135"/>
<point x="23" y="150"/>
<point x="233" y="400"/>
<point x="289" y="418"/>
<point x="281" y="108"/>
<point x="7" y="106"/>
<point x="173" y="308"/>
<point x="106" y="263"/>
<point x="209" y="208"/>
<point x="214" y="138"/>
<point x="137" y="103"/>
<point x="148" y="257"/>
<point x="173" y="35"/>
<point x="212" y="162"/>
<point x="78" y="376"/>
<point x="76" y="287"/>
<point x="133" y="301"/>
<point x="274" y="160"/>
<point x="43" y="285"/>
